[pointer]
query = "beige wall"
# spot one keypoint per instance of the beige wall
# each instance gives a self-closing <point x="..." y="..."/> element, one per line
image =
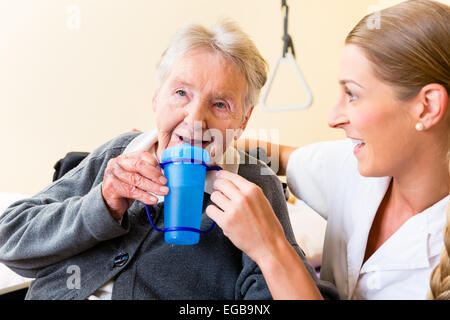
<point x="64" y="88"/>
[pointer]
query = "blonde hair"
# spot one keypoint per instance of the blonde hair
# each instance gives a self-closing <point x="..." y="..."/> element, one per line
<point x="227" y="39"/>
<point x="409" y="47"/>
<point x="440" y="278"/>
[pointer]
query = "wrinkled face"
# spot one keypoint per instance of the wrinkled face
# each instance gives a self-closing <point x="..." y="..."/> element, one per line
<point x="209" y="90"/>
<point x="379" y="125"/>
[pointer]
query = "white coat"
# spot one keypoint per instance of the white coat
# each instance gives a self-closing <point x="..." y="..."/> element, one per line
<point x="325" y="176"/>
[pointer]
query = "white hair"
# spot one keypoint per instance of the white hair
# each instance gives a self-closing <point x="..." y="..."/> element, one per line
<point x="227" y="39"/>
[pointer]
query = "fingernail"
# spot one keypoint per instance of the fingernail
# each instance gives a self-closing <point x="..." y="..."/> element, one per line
<point x="164" y="189"/>
<point x="163" y="180"/>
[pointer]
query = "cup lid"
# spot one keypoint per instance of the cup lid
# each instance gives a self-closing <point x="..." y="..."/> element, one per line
<point x="185" y="153"/>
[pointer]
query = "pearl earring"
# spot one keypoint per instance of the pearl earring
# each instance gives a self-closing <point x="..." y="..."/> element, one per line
<point x="419" y="126"/>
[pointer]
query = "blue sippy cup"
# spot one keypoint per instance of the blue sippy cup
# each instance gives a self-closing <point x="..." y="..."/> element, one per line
<point x="185" y="168"/>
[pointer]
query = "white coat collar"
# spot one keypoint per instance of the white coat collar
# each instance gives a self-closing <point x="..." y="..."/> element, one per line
<point x="363" y="215"/>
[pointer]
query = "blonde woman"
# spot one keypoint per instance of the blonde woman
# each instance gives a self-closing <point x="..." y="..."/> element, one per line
<point x="383" y="191"/>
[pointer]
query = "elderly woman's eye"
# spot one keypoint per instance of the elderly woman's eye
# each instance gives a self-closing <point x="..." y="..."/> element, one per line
<point x="221" y="105"/>
<point x="181" y="93"/>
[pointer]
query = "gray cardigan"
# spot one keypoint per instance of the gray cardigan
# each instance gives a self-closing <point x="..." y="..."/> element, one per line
<point x="66" y="231"/>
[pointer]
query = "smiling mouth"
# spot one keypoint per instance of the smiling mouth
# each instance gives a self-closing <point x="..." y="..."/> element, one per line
<point x="193" y="142"/>
<point x="358" y="145"/>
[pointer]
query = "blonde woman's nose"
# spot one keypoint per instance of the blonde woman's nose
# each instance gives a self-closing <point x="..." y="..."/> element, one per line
<point x="337" y="118"/>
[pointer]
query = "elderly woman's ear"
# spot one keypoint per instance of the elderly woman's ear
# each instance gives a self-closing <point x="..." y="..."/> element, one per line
<point x="155" y="95"/>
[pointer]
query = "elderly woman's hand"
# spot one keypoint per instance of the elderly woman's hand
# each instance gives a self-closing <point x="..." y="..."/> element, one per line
<point x="245" y="215"/>
<point x="130" y="177"/>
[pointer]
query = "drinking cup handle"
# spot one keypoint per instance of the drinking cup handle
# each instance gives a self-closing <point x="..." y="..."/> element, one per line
<point x="176" y="228"/>
<point x="208" y="168"/>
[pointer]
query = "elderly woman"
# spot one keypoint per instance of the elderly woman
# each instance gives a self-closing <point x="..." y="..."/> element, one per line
<point x="87" y="235"/>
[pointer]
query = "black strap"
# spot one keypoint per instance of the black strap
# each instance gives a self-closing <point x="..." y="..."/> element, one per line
<point x="70" y="161"/>
<point x="287" y="39"/>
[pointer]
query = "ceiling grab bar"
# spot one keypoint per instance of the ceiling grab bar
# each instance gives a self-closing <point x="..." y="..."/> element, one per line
<point x="286" y="57"/>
